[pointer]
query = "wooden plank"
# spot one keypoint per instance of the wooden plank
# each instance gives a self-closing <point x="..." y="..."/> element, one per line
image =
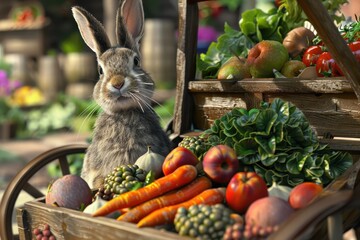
<point x="186" y="57"/>
<point x="345" y="102"/>
<point x="286" y="85"/>
<point x="70" y="224"/>
<point x="326" y="29"/>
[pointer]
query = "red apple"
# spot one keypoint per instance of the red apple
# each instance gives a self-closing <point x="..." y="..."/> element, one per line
<point x="178" y="157"/>
<point x="302" y="194"/>
<point x="243" y="189"/>
<point x="220" y="163"/>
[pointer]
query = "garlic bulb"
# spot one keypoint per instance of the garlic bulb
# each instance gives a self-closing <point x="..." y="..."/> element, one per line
<point x="151" y="161"/>
<point x="279" y="191"/>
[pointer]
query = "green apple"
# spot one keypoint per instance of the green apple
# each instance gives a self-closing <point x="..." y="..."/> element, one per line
<point x="292" y="68"/>
<point x="266" y="56"/>
<point x="234" y="68"/>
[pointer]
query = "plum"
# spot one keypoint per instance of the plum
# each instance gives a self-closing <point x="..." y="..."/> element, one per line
<point x="69" y="191"/>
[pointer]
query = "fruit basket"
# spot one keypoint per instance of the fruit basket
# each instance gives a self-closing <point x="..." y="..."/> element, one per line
<point x="330" y="104"/>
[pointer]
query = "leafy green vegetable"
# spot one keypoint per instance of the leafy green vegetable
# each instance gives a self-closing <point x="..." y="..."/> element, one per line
<point x="351" y="31"/>
<point x="295" y="17"/>
<point x="258" y="25"/>
<point x="277" y="142"/>
<point x="231" y="42"/>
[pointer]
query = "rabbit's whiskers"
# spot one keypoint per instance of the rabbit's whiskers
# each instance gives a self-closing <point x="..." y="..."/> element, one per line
<point x="93" y="107"/>
<point x="146" y="83"/>
<point x="142" y="99"/>
<point x="137" y="100"/>
<point x="156" y="102"/>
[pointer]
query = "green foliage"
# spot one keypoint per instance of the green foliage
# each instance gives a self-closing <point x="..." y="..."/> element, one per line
<point x="231" y="4"/>
<point x="231" y="42"/>
<point x="10" y="114"/>
<point x="295" y="16"/>
<point x="277" y="142"/>
<point x="73" y="43"/>
<point x="75" y="162"/>
<point x="165" y="111"/>
<point x="60" y="114"/>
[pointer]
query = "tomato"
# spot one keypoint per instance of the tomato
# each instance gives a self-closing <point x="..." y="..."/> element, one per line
<point x="326" y="66"/>
<point x="355" y="48"/>
<point x="243" y="189"/>
<point x="311" y="55"/>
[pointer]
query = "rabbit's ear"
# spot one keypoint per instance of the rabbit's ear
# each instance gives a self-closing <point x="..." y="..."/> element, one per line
<point x="130" y="23"/>
<point x="91" y="30"/>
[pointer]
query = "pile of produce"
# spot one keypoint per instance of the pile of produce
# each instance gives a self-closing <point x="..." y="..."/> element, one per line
<point x="277" y="142"/>
<point x="252" y="170"/>
<point x="273" y="44"/>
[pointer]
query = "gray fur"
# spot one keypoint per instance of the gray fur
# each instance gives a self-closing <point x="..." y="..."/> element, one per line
<point x="128" y="124"/>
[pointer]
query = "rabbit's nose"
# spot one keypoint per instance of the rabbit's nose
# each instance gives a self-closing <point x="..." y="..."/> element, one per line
<point x="117" y="81"/>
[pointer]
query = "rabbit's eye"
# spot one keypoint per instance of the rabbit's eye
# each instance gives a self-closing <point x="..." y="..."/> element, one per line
<point x="100" y="70"/>
<point x="136" y="61"/>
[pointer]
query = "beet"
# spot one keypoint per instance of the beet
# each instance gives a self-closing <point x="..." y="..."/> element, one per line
<point x="268" y="212"/>
<point x="69" y="191"/>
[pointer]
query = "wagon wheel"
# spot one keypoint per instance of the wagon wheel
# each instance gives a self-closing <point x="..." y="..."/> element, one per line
<point x="21" y="182"/>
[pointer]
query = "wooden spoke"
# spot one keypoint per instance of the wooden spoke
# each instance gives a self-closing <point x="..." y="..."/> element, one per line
<point x="30" y="189"/>
<point x="64" y="165"/>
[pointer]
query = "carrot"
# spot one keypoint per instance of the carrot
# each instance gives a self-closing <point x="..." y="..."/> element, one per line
<point x="176" y="179"/>
<point x="166" y="215"/>
<point x="174" y="197"/>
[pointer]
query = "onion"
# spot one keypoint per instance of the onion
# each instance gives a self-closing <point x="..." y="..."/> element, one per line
<point x="298" y="40"/>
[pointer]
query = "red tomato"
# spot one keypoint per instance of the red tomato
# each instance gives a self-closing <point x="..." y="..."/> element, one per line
<point x="331" y="68"/>
<point x="243" y="189"/>
<point x="311" y="55"/>
<point x="326" y="66"/>
<point x="355" y="48"/>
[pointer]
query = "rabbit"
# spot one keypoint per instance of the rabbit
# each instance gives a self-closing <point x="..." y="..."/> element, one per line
<point x="127" y="124"/>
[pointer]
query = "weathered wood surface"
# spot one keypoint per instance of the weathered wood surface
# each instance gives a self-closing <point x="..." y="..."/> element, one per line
<point x="70" y="224"/>
<point x="186" y="57"/>
<point x="279" y="85"/>
<point x="330" y="105"/>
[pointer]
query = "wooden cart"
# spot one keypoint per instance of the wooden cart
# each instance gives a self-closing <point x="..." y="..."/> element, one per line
<point x="331" y="105"/>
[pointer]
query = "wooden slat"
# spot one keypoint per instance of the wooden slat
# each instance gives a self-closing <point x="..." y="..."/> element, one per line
<point x="264" y="85"/>
<point x="70" y="224"/>
<point x="64" y="165"/>
<point x="186" y="57"/>
<point x="326" y="29"/>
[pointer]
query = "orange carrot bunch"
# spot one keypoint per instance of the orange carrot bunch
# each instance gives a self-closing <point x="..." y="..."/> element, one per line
<point x="181" y="176"/>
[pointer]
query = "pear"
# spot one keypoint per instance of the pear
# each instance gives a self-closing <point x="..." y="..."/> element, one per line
<point x="292" y="68"/>
<point x="234" y="68"/>
<point x="266" y="56"/>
